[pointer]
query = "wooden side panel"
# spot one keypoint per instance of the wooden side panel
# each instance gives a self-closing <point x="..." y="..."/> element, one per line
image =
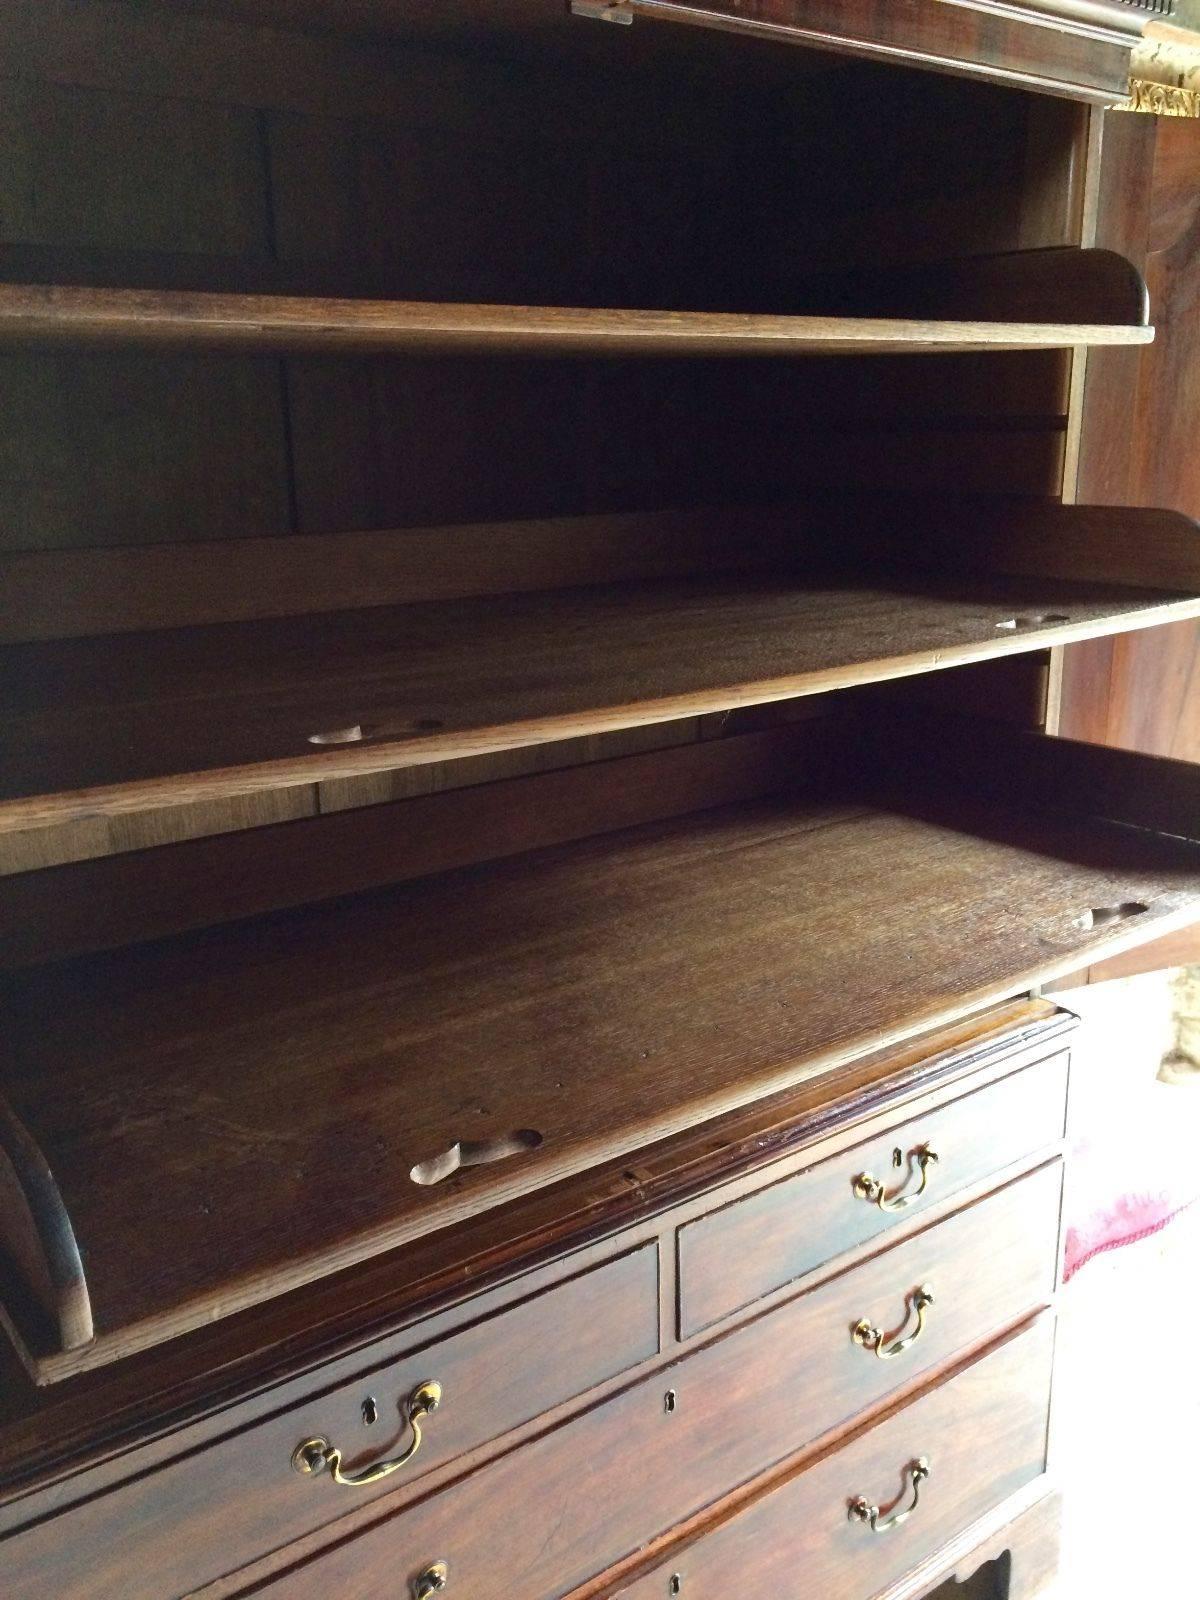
<point x="1141" y="424"/>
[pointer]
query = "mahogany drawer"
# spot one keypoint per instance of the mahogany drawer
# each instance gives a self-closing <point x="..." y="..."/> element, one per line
<point x="152" y="1537"/>
<point x="982" y="1436"/>
<point x="555" y="1511"/>
<point x="732" y="1257"/>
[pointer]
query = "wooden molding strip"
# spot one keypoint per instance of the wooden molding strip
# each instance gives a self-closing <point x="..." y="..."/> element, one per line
<point x="1079" y="48"/>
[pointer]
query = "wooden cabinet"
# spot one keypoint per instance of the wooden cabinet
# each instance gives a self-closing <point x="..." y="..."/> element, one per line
<point x="527" y="825"/>
<point x="981" y="1434"/>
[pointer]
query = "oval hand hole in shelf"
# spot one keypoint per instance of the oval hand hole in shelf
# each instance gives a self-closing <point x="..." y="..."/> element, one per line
<point x="475" y="1153"/>
<point x="1102" y="916"/>
<point x="355" y="733"/>
<point x="1046" y="620"/>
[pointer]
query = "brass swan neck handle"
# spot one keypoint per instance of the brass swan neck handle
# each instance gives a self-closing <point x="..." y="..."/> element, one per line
<point x="318" y="1454"/>
<point x="867" y="1187"/>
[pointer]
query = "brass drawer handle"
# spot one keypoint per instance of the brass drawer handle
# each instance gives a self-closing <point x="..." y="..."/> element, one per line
<point x="315" y="1455"/>
<point x="872" y="1338"/>
<point x="863" y="1510"/>
<point x="869" y="1188"/>
<point x="434" y="1580"/>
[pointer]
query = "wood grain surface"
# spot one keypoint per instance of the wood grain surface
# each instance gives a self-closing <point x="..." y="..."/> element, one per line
<point x="602" y="995"/>
<point x="35" y="314"/>
<point x="984" y="1435"/>
<point x="128" y="723"/>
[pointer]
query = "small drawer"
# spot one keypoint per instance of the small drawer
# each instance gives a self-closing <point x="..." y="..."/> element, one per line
<point x="857" y="1520"/>
<point x="732" y="1257"/>
<point x="559" y="1509"/>
<point x="151" y="1537"/>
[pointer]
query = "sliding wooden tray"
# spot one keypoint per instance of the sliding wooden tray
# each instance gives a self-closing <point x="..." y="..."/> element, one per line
<point x="32" y="314"/>
<point x="1022" y="300"/>
<point x="209" y="1120"/>
<point x="124" y="722"/>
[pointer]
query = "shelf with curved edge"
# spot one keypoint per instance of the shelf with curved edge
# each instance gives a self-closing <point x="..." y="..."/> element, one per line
<point x="33" y="315"/>
<point x="1022" y="300"/>
<point x="449" y="1043"/>
<point x="527" y="633"/>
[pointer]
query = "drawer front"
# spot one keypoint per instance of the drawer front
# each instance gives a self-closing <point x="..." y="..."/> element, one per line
<point x="556" y="1511"/>
<point x="154" y="1537"/>
<point x="982" y="1437"/>
<point x="732" y="1257"/>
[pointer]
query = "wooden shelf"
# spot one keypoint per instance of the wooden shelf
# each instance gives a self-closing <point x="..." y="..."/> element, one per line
<point x="568" y="1005"/>
<point x="129" y="722"/>
<point x="33" y="314"/>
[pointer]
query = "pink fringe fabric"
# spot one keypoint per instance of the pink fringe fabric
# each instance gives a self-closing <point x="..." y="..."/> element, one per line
<point x="1131" y="1179"/>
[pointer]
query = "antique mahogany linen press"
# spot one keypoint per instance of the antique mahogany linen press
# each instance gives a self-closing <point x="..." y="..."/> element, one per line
<point x="538" y="548"/>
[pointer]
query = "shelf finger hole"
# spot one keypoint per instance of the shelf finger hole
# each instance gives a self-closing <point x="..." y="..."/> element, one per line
<point x="1045" y="619"/>
<point x="356" y="733"/>
<point x="350" y="735"/>
<point x="1104" y="916"/>
<point x="475" y="1153"/>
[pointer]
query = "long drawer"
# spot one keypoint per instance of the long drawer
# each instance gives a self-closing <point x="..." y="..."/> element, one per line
<point x="731" y="1257"/>
<point x="153" y="1537"/>
<point x="555" y="1512"/>
<point x="857" y="1520"/>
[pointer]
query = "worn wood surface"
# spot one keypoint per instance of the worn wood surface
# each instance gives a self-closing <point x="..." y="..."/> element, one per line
<point x="122" y="724"/>
<point x="526" y="995"/>
<point x="32" y="314"/>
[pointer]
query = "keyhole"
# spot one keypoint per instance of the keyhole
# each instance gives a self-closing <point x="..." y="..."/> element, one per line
<point x="897" y="1158"/>
<point x="670" y="1401"/>
<point x="676" y="1583"/>
<point x="370" y="1411"/>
